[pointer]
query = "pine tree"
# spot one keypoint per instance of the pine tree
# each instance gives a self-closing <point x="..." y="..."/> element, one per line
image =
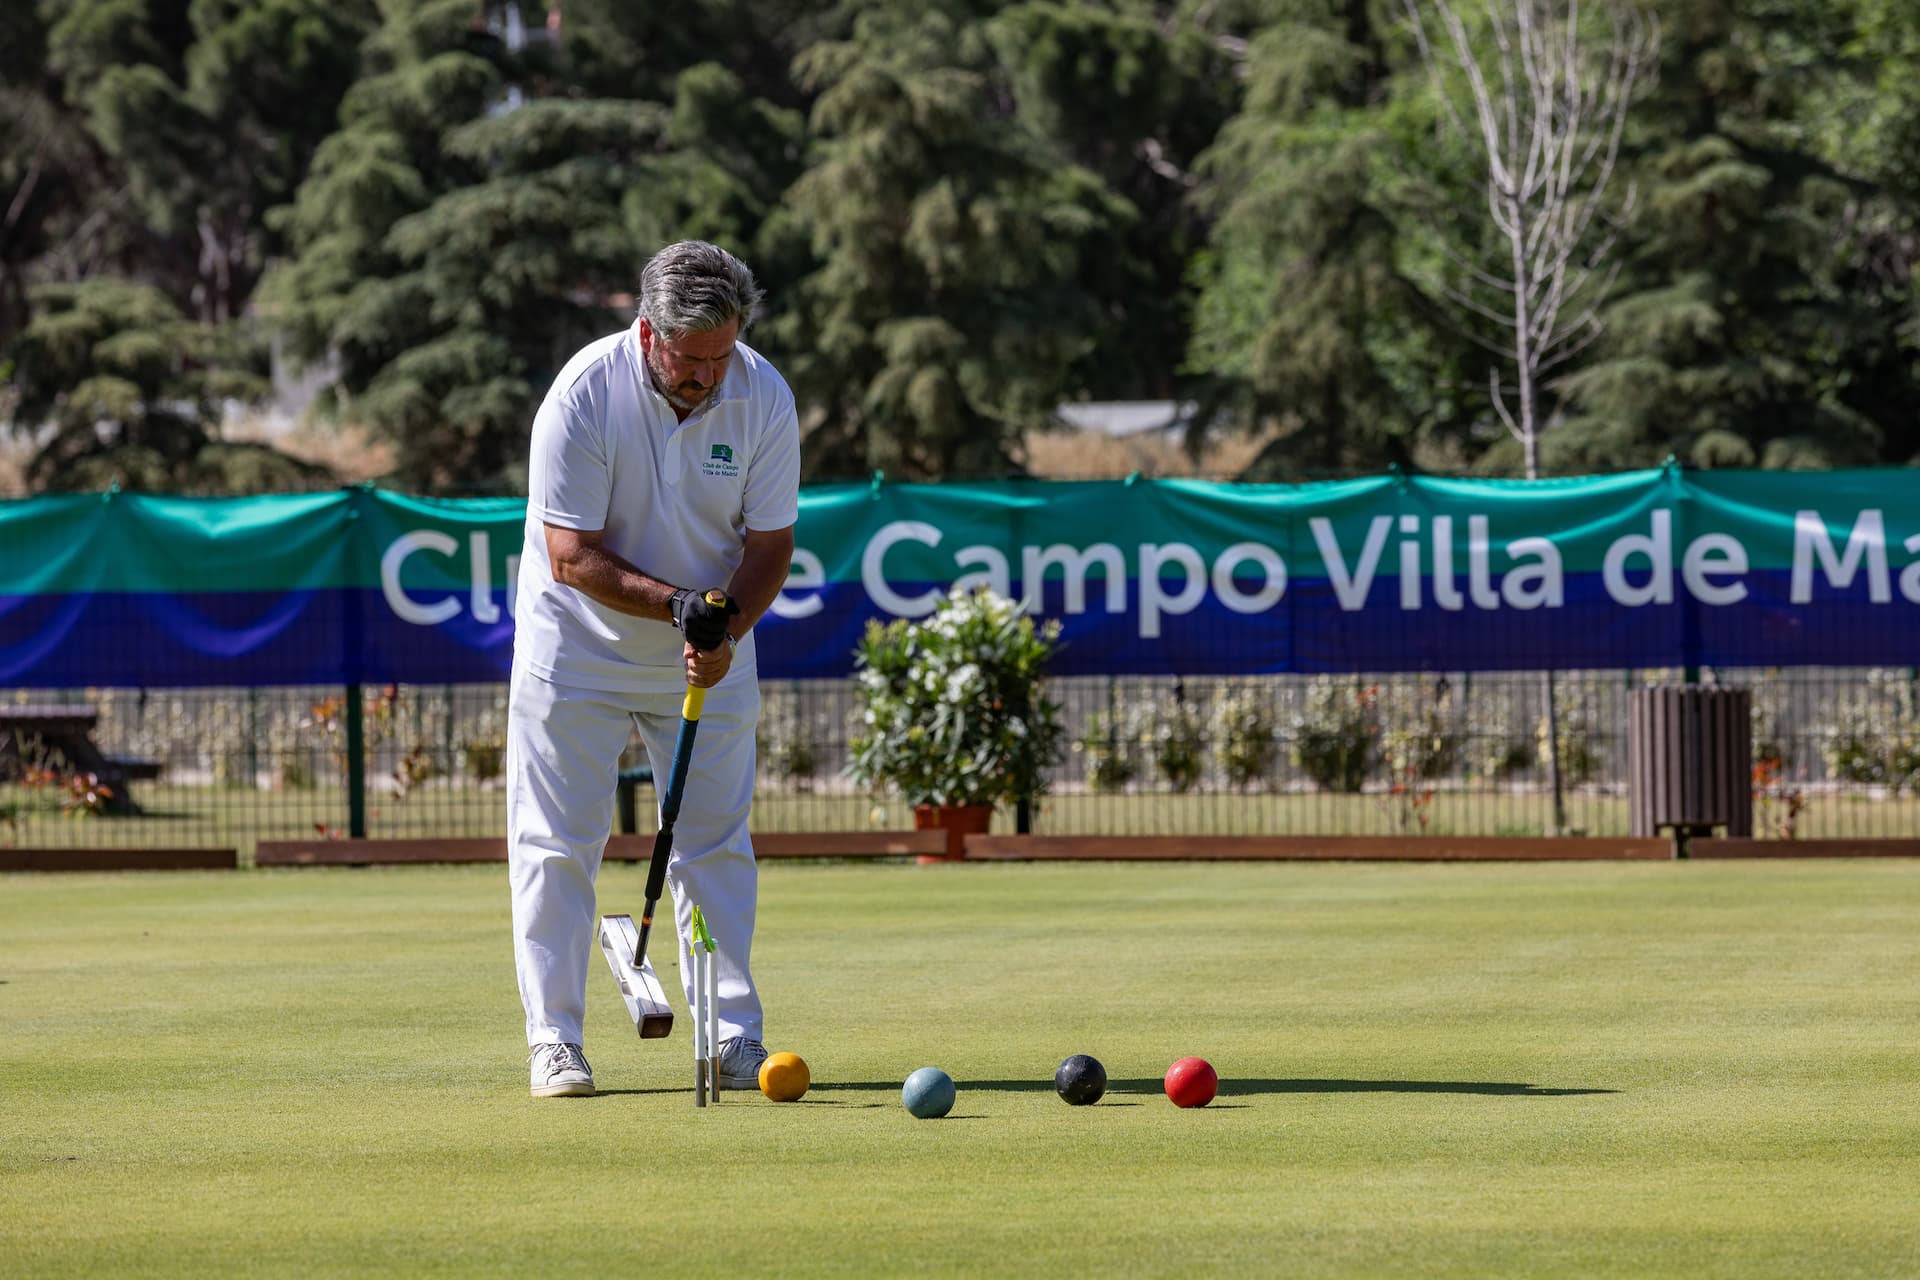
<point x="476" y="220"/>
<point x="1751" y="312"/>
<point x="1867" y="124"/>
<point x="947" y="309"/>
<point x="111" y="351"/>
<point x="153" y="135"/>
<point x="1303" y="305"/>
<point x="1133" y="94"/>
<point x="52" y="178"/>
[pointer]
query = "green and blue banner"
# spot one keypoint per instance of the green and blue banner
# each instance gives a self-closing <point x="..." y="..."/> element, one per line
<point x="1658" y="568"/>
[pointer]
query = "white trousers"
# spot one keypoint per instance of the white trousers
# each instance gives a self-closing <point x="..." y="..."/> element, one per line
<point x="563" y="750"/>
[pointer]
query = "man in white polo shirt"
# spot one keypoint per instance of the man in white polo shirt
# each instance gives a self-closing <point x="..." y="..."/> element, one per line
<point x="665" y="462"/>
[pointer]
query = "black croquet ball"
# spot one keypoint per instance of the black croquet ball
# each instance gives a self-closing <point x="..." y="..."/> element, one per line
<point x="1080" y="1081"/>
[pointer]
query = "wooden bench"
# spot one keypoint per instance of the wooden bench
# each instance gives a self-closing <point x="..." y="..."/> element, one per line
<point x="60" y="737"/>
<point x="137" y="769"/>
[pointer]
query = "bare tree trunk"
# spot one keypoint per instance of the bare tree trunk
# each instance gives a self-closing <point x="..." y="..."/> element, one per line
<point x="1523" y="342"/>
<point x="1546" y="107"/>
<point x="1547" y="119"/>
<point x="1530" y="443"/>
<point x="1554" y="774"/>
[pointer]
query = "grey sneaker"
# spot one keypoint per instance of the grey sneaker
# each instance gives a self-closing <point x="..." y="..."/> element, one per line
<point x="740" y="1060"/>
<point x="561" y="1071"/>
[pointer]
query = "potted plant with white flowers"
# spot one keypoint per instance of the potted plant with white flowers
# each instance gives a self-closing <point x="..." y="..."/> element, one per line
<point x="954" y="714"/>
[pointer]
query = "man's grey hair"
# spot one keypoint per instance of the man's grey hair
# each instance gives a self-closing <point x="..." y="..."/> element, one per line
<point x="694" y="287"/>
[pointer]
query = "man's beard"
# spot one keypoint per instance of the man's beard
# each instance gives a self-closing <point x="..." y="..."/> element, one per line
<point x="688" y="395"/>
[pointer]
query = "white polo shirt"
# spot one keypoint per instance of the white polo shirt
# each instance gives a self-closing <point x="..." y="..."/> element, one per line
<point x="675" y="498"/>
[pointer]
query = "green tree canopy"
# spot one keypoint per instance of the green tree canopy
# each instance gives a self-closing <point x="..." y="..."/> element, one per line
<point x="1303" y="303"/>
<point x="153" y="136"/>
<point x="965" y="214"/>
<point x="126" y="387"/>
<point x="946" y="312"/>
<point x="472" y="224"/>
<point x="1759" y="323"/>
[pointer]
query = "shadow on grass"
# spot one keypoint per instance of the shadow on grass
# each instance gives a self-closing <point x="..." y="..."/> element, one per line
<point x="1491" y="1088"/>
<point x="737" y="1096"/>
<point x="1250" y="1088"/>
<point x="640" y="1093"/>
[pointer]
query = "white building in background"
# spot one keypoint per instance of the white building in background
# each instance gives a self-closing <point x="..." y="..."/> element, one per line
<point x="1123" y="419"/>
<point x="504" y="22"/>
<point x="1109" y="439"/>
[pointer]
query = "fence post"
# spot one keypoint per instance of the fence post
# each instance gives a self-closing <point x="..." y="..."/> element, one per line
<point x="356" y="763"/>
<point x="250" y="756"/>
<point x="1559" y="824"/>
<point x="355" y="649"/>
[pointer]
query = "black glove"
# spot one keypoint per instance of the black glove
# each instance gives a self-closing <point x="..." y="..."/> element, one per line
<point x="702" y="618"/>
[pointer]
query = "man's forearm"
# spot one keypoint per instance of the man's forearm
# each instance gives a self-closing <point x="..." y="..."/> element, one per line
<point x="603" y="576"/>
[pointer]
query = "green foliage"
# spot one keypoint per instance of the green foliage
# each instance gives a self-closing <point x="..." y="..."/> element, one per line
<point x="1871" y="733"/>
<point x="1177" y="734"/>
<point x="1246" y="739"/>
<point x="1336" y="735"/>
<point x="1765" y="314"/>
<point x="1497" y="741"/>
<point x="485" y="760"/>
<point x="964" y="214"/>
<point x="205" y="115"/>
<point x="125" y="386"/>
<point x="785" y="742"/>
<point x="146" y="142"/>
<point x="1109" y="750"/>
<point x="1579" y="747"/>
<point x="946" y="310"/>
<point x="427" y="240"/>
<point x="953" y="707"/>
<point x="458" y="239"/>
<point x="725" y="159"/>
<point x="1302" y="306"/>
<point x="1133" y="96"/>
<point x="45" y="783"/>
<point x="1425" y="746"/>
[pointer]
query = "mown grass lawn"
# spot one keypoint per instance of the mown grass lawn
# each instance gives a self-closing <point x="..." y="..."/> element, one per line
<point x="1687" y="1069"/>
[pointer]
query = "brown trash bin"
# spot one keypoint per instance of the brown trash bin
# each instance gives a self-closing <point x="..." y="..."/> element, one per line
<point x="1690" y="760"/>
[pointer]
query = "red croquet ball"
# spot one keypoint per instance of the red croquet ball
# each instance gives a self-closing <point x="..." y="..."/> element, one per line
<point x="1191" y="1082"/>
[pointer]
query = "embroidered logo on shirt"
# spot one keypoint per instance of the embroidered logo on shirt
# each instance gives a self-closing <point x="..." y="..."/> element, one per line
<point x="720" y="462"/>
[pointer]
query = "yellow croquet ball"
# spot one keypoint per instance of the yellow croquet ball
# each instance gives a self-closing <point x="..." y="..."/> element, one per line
<point x="783" y="1077"/>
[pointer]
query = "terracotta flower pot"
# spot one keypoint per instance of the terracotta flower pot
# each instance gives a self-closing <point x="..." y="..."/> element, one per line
<point x="957" y="820"/>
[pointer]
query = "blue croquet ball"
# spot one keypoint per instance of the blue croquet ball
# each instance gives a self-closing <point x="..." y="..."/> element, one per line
<point x="928" y="1093"/>
<point x="1080" y="1081"/>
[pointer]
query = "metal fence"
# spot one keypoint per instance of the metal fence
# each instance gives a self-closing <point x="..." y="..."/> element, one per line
<point x="1837" y="753"/>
